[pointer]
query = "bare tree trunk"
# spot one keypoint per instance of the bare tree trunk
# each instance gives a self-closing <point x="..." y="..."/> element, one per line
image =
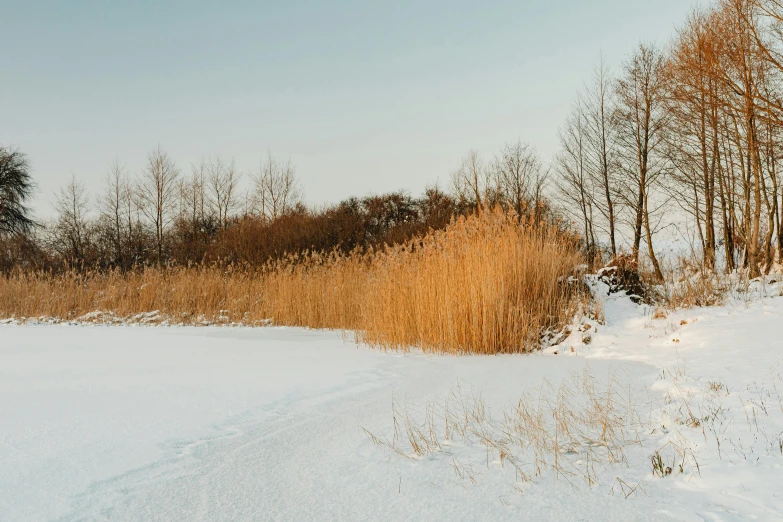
<point x="598" y="115"/>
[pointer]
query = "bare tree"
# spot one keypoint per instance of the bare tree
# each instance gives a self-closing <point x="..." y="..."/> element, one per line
<point x="640" y="120"/>
<point x="600" y="146"/>
<point x="474" y="183"/>
<point x="740" y="70"/>
<point x="520" y="177"/>
<point x="574" y="183"/>
<point x="158" y="194"/>
<point x="277" y="189"/>
<point x="764" y="20"/>
<point x="69" y="236"/>
<point x="137" y="241"/>
<point x="193" y="195"/>
<point x="112" y="206"/>
<point x="223" y="181"/>
<point x="692" y="135"/>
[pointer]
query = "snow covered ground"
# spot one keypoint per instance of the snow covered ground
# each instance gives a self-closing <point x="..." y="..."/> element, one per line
<point x="164" y="423"/>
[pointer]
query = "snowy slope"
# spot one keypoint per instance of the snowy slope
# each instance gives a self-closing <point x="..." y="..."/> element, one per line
<point x="134" y="423"/>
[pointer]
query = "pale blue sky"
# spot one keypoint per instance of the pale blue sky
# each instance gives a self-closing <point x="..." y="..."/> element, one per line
<point x="363" y="96"/>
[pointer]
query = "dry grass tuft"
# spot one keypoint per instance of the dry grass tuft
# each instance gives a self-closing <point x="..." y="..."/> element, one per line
<point x="573" y="431"/>
<point x="700" y="288"/>
<point x="487" y="284"/>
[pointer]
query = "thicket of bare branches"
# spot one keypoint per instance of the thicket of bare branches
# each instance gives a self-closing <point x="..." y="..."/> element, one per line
<point x="515" y="180"/>
<point x="160" y="216"/>
<point x="690" y="132"/>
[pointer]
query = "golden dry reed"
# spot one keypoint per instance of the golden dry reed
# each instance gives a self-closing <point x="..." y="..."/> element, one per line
<point x="487" y="284"/>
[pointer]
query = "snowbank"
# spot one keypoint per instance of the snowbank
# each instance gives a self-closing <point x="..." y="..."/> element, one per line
<point x="128" y="423"/>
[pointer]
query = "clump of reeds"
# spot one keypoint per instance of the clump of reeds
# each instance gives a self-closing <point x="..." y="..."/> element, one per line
<point x="573" y="431"/>
<point x="487" y="284"/>
<point x="180" y="295"/>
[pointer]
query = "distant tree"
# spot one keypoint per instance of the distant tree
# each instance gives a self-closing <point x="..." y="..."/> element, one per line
<point x="575" y="185"/>
<point x="277" y="190"/>
<point x="194" y="205"/>
<point x="158" y="192"/>
<point x="114" y="212"/>
<point x="474" y="183"/>
<point x="16" y="187"/>
<point x="70" y="232"/>
<point x="520" y="176"/>
<point x="222" y="184"/>
<point x="437" y="208"/>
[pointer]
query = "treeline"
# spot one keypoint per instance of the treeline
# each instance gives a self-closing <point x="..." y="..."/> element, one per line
<point x="161" y="216"/>
<point x="688" y="135"/>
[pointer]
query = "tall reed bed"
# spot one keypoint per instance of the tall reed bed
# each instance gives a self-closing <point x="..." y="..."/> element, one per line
<point x="487" y="284"/>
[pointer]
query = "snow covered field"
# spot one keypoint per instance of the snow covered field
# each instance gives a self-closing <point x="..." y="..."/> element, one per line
<point x="157" y="423"/>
